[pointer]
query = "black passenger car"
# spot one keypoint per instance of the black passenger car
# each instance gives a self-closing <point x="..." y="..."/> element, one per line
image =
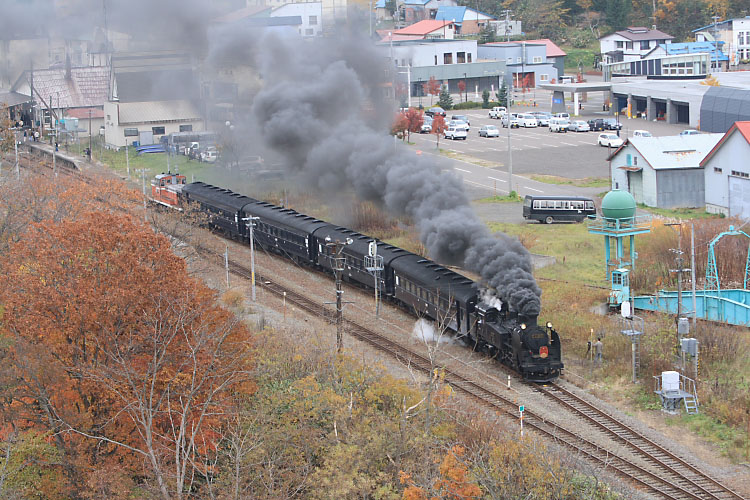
<point x="597" y="124"/>
<point x="224" y="207"/>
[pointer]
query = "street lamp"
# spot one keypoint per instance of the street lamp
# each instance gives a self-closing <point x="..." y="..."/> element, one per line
<point x="250" y="224"/>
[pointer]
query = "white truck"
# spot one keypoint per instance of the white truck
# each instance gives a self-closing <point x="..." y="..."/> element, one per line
<point x="497" y="112"/>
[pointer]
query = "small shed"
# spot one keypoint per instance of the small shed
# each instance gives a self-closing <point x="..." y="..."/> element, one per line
<point x="663" y="172"/>
<point x="727" y="173"/>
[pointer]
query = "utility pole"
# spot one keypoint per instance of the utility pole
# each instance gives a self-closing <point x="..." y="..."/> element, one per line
<point x="143" y="171"/>
<point x="90" y="134"/>
<point x="692" y="273"/>
<point x="127" y="157"/>
<point x="716" y="46"/>
<point x="510" y="149"/>
<point x="339" y="263"/>
<point x="679" y="253"/>
<point x="226" y="264"/>
<point x="250" y="221"/>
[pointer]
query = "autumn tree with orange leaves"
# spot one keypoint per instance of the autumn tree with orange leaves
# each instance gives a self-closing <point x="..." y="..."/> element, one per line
<point x="109" y="344"/>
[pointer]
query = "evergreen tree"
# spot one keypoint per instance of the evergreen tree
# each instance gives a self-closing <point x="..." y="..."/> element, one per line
<point x="502" y="94"/>
<point x="487" y="34"/>
<point x="445" y="101"/>
<point x="486" y="99"/>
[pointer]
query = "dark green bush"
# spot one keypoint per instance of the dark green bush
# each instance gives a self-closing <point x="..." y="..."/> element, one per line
<point x="467" y="105"/>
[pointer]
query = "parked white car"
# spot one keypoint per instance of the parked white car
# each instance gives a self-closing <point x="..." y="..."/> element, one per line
<point x="527" y="120"/>
<point x="689" y="132"/>
<point x="542" y="118"/>
<point x="609" y="140"/>
<point x="511" y="118"/>
<point x="489" y="131"/>
<point x="642" y="133"/>
<point x="459" y="124"/>
<point x="497" y="112"/>
<point x="561" y="115"/>
<point x="455" y="133"/>
<point x="579" y="126"/>
<point x="559" y="125"/>
<point x="426" y="127"/>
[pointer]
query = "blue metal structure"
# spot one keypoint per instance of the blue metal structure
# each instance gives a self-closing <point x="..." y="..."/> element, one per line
<point x="712" y="303"/>
<point x="617" y="268"/>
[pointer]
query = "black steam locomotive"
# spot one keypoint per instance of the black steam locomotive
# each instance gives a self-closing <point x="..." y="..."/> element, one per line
<point x="421" y="285"/>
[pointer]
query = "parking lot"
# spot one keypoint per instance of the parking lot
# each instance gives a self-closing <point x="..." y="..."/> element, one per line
<point x="573" y="155"/>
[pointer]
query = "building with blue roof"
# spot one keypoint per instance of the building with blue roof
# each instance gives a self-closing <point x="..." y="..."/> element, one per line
<point x="735" y="33"/>
<point x="467" y="20"/>
<point x="719" y="60"/>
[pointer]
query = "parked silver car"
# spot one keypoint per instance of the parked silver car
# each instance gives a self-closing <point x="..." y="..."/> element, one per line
<point x="579" y="126"/>
<point x="489" y="131"/>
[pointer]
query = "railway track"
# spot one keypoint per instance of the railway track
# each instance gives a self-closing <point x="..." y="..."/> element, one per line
<point x="655" y="469"/>
<point x="679" y="470"/>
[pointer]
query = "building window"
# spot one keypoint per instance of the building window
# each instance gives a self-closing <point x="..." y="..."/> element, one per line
<point x="717" y="170"/>
<point x="131" y="132"/>
<point x="109" y="119"/>
<point x="468" y="56"/>
<point x="619" y="44"/>
<point x="460" y="57"/>
<point x="448" y="58"/>
<point x="628" y="45"/>
<point x="537" y="59"/>
<point x="740" y="174"/>
<point x="313" y="21"/>
<point x="186" y="128"/>
<point x="518" y="60"/>
<point x="645" y="44"/>
<point x="157" y="130"/>
<point x="510" y="60"/>
<point x="635" y="160"/>
<point x="435" y="60"/>
<point x="543" y="78"/>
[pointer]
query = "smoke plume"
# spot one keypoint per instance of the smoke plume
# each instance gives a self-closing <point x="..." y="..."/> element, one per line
<point x="313" y="109"/>
<point x="320" y="106"/>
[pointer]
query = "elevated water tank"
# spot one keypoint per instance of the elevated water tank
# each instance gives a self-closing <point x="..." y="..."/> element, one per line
<point x="618" y="205"/>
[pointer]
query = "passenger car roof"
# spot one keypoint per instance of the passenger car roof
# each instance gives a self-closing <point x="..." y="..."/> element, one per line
<point x="216" y="196"/>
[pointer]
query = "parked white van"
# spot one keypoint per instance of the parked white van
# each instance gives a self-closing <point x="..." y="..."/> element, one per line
<point x="559" y="124"/>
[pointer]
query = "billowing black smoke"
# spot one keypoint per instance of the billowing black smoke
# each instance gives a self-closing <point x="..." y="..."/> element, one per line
<point x="321" y="107"/>
<point x="314" y="109"/>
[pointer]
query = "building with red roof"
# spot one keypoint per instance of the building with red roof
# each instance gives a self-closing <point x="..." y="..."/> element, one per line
<point x="727" y="173"/>
<point x="429" y="29"/>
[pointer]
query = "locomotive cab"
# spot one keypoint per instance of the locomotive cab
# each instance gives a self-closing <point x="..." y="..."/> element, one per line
<point x="166" y="189"/>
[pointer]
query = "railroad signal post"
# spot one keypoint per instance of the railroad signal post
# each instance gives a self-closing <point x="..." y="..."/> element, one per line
<point x="339" y="263"/>
<point x="521" y="409"/>
<point x="250" y="225"/>
<point x="374" y="265"/>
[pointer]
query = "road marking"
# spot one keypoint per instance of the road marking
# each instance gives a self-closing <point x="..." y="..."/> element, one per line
<point x="462" y="170"/>
<point x="532" y="189"/>
<point x="494" y="179"/>
<point x="568" y="144"/>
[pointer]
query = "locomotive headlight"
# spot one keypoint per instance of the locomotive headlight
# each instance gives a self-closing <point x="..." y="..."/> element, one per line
<point x="523" y="326"/>
<point x="549" y="325"/>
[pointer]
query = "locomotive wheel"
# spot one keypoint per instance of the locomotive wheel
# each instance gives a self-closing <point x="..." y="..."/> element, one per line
<point x="549" y="219"/>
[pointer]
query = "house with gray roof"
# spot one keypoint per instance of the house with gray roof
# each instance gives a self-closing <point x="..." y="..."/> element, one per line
<point x="663" y="172"/>
<point x="631" y="44"/>
<point x="151" y="95"/>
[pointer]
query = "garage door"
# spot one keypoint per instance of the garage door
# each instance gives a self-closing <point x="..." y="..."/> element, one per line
<point x="739" y="197"/>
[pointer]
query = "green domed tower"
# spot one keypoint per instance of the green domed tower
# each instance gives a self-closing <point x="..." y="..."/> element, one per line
<point x="619" y="222"/>
<point x="618" y="205"/>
